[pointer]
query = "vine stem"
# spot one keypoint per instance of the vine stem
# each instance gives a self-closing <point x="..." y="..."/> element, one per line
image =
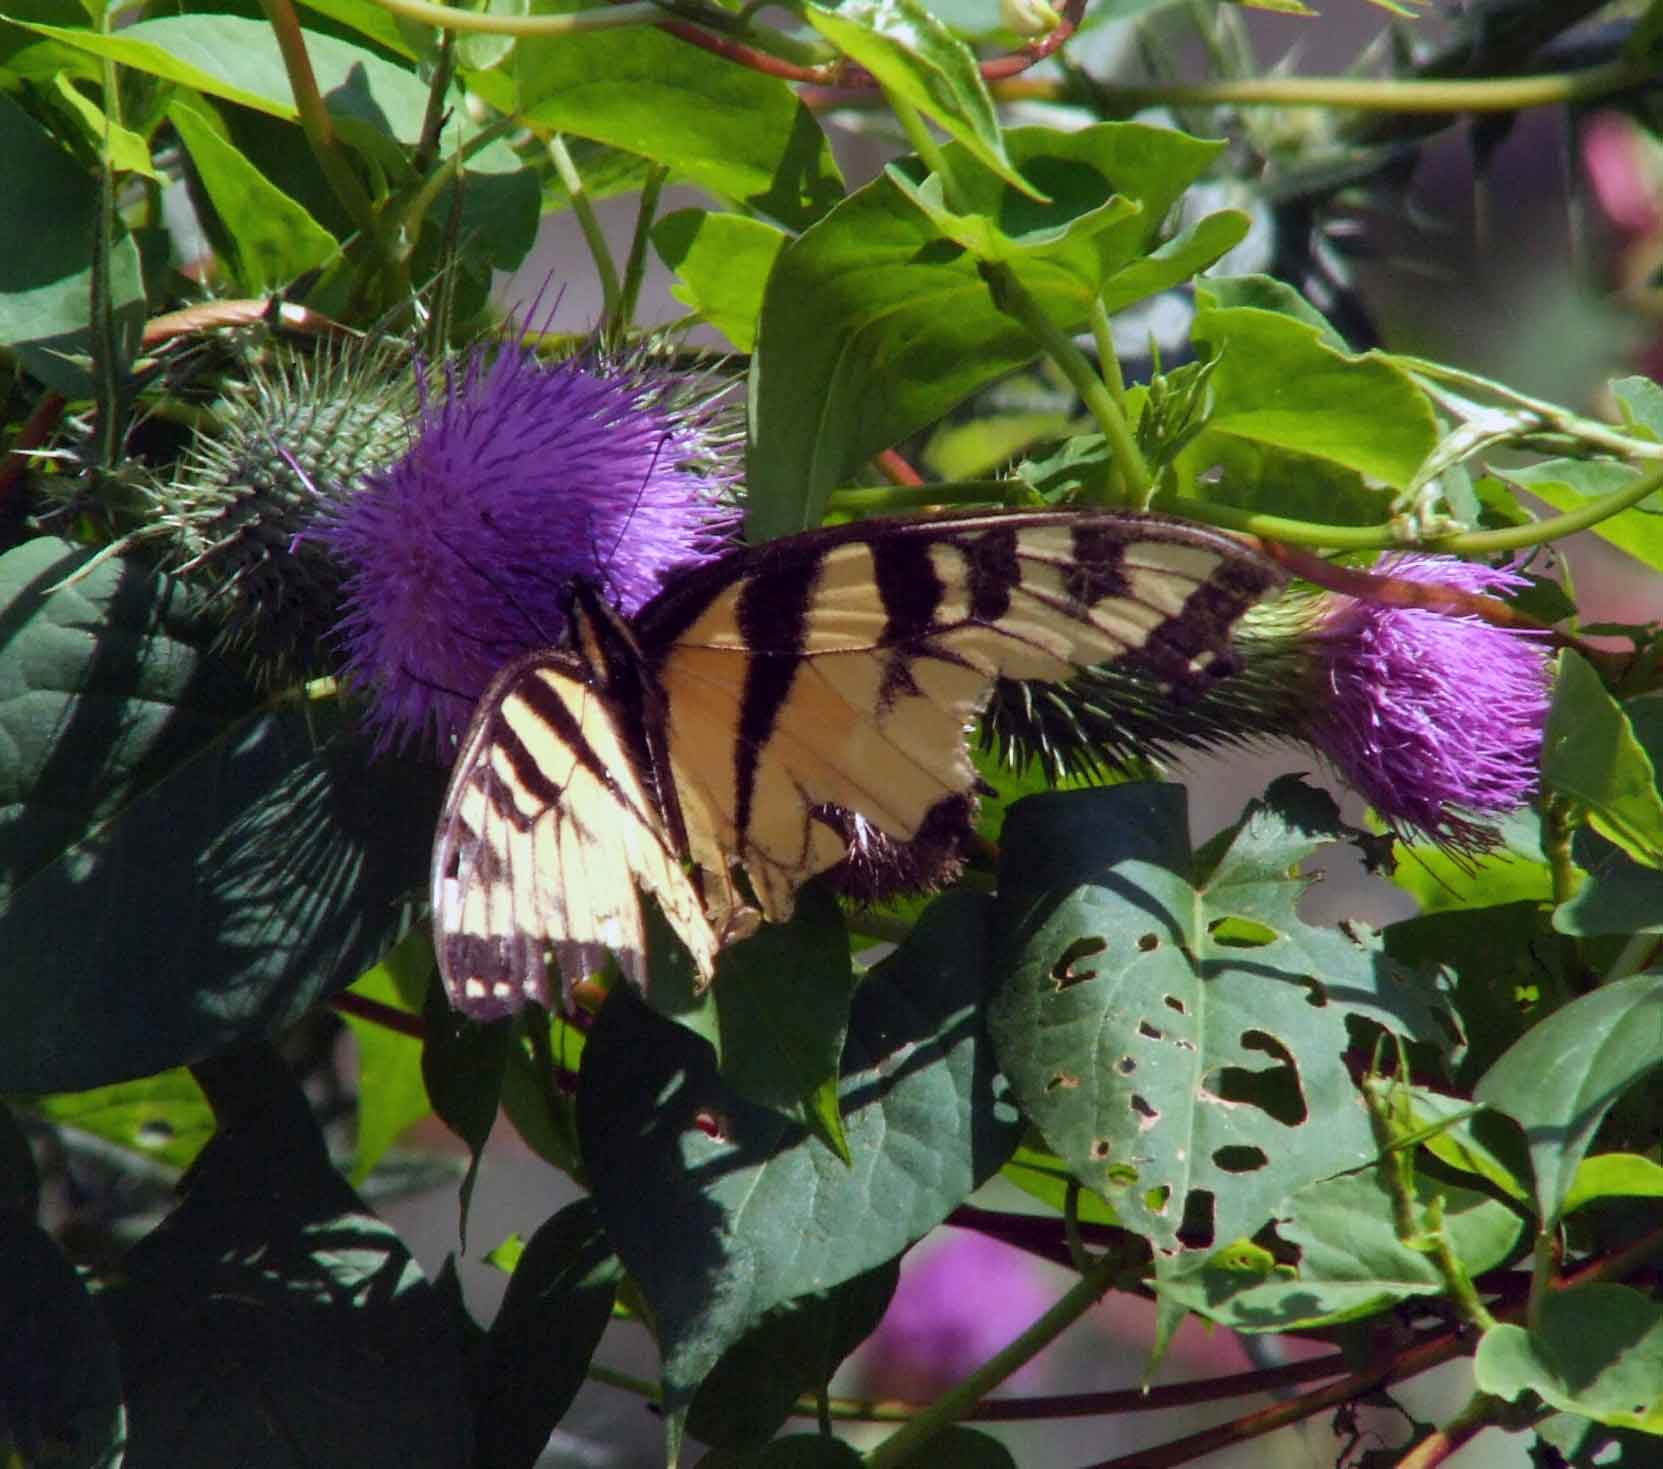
<point x="1437" y="1446"/>
<point x="593" y="236"/>
<point x="1392" y="94"/>
<point x="1420" y="1358"/>
<point x="389" y="1017"/>
<point x="315" y="121"/>
<point x="1385" y="538"/>
<point x="958" y="1401"/>
<point x="1015" y="300"/>
<point x="604" y="18"/>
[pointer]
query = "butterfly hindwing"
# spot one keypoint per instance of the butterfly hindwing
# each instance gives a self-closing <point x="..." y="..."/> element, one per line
<point x="549" y="827"/>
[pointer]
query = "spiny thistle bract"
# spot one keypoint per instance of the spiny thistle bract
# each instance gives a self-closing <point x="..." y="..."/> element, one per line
<point x="235" y="515"/>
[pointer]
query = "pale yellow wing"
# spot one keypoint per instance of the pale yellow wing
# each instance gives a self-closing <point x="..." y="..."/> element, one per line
<point x="549" y="828"/>
<point x="841" y="669"/>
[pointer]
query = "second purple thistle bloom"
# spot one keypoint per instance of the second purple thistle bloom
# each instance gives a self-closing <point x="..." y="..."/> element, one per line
<point x="1436" y="720"/>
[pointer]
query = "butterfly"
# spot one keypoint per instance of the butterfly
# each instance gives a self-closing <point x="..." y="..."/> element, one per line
<point x="785" y="710"/>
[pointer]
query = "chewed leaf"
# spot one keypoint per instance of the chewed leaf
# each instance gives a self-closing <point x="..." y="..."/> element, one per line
<point x="1176" y="1033"/>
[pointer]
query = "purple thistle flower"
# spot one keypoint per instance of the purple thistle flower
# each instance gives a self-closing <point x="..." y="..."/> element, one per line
<point x="968" y="1298"/>
<point x="1430" y="716"/>
<point x="521" y="478"/>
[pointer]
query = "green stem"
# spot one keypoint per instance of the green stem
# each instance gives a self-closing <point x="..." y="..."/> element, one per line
<point x="1457" y="1282"/>
<point x="958" y="1401"/>
<point x="928" y="150"/>
<point x="636" y="266"/>
<point x="897" y="499"/>
<point x="623" y="1382"/>
<point x="1490" y="94"/>
<point x="584" y="209"/>
<point x="1565" y="430"/>
<point x="604" y="18"/>
<point x="1384" y="538"/>
<point x="1541" y="1278"/>
<point x="1479" y="1413"/>
<point x="315" y="121"/>
<point x="1014" y="299"/>
<point x="1557" y="830"/>
<point x="1108" y="360"/>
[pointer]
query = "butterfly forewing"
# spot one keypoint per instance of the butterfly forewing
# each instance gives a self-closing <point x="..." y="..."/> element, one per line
<point x="841" y="668"/>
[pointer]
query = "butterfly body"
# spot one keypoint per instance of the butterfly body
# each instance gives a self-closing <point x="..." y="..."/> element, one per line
<point x="787" y="709"/>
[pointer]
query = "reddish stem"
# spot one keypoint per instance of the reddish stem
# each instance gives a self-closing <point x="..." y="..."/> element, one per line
<point x="389" y="1017"/>
<point x="35" y="431"/>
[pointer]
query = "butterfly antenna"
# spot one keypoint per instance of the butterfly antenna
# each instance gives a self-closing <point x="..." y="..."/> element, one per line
<point x="603" y="563"/>
<point x="526" y="614"/>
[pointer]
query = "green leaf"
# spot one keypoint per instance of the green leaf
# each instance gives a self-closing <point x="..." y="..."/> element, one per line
<point x="1618" y="895"/>
<point x="242" y="1316"/>
<point x="1568" y="485"/>
<point x="238" y="60"/>
<point x="795" y="1350"/>
<point x="1501" y="957"/>
<point x="1583" y="1444"/>
<point x="462" y="1064"/>
<point x="392" y="1094"/>
<point x="479" y="51"/>
<point x="1006" y="225"/>
<point x="230" y="870"/>
<point x="1177" y="260"/>
<point x="60" y="1387"/>
<point x="540" y="1100"/>
<point x="783" y="1003"/>
<point x="722" y="261"/>
<point x="723" y="1210"/>
<point x="1590" y="753"/>
<point x="1040" y="1172"/>
<point x="46" y="251"/>
<point x="1563" y="1075"/>
<point x="1176" y="1064"/>
<point x="1613" y="1175"/>
<point x="163" y="1117"/>
<point x="1640" y="401"/>
<point x="920" y="61"/>
<point x="1280" y="384"/>
<point x="536" y="1355"/>
<point x="1515" y="871"/>
<point x="1266" y="293"/>
<point x="873" y="326"/>
<point x="1597" y="1352"/>
<point x="1470" y="1140"/>
<point x="126" y="150"/>
<point x="740" y="134"/>
<point x="1351" y="1263"/>
<point x="272" y="240"/>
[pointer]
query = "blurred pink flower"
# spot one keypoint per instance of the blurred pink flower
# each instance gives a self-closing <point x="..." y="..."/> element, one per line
<point x="964" y="1300"/>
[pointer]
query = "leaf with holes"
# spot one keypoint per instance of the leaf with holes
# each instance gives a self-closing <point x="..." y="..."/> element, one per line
<point x="1350" y="1261"/>
<point x="1170" y="1023"/>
